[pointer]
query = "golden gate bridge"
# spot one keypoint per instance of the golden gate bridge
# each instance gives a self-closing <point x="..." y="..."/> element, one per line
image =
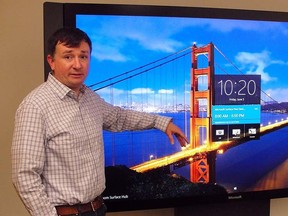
<point x="181" y="83"/>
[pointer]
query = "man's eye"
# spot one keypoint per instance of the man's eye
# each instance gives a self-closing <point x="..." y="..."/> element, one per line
<point x="84" y="57"/>
<point x="68" y="57"/>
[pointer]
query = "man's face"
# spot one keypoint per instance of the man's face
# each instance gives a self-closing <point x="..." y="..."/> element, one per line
<point x="70" y="65"/>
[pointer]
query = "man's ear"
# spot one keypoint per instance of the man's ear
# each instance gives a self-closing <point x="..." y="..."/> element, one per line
<point x="50" y="61"/>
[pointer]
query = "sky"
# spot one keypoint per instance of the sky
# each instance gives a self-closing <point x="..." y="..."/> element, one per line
<point x="123" y="43"/>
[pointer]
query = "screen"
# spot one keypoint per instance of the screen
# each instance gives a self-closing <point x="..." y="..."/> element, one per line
<point x="230" y="101"/>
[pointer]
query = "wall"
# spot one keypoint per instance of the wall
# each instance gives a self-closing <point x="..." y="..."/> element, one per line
<point x="21" y="58"/>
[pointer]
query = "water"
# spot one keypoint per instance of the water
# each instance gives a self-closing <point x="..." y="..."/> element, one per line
<point x="132" y="148"/>
<point x="238" y="169"/>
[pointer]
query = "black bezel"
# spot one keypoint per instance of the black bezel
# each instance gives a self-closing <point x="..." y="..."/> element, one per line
<point x="58" y="15"/>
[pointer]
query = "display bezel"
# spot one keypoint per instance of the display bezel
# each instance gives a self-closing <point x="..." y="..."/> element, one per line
<point x="58" y="15"/>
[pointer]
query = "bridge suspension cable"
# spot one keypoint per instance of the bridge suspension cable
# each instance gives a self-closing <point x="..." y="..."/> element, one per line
<point x="241" y="72"/>
<point x="111" y="82"/>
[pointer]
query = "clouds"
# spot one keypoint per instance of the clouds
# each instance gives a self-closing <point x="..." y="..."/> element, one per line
<point x="226" y="26"/>
<point x="135" y="91"/>
<point x="277" y="94"/>
<point x="142" y="91"/>
<point x="114" y="37"/>
<point x="256" y="63"/>
<point x="126" y="39"/>
<point x="107" y="52"/>
<point x="165" y="91"/>
<point x="146" y="96"/>
<point x="121" y="43"/>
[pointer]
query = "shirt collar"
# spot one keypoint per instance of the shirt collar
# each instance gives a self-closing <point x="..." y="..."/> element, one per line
<point x="60" y="89"/>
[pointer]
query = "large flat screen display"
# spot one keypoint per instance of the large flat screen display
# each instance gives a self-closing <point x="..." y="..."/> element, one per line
<point x="235" y="115"/>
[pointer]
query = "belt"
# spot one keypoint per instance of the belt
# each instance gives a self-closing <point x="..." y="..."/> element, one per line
<point x="80" y="208"/>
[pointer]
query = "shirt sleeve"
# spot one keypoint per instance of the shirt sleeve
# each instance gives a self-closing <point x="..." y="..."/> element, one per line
<point x="118" y="119"/>
<point x="28" y="156"/>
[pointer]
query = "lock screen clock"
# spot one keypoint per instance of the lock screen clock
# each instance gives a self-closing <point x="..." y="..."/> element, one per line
<point x="237" y="89"/>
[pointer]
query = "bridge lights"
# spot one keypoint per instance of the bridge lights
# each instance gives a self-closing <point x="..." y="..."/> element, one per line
<point x="185" y="147"/>
<point x="220" y="151"/>
<point x="151" y="157"/>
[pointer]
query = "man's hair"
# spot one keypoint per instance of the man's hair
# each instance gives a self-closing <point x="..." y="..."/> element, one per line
<point x="70" y="37"/>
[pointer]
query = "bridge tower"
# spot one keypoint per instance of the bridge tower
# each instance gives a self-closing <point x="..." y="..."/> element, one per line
<point x="203" y="169"/>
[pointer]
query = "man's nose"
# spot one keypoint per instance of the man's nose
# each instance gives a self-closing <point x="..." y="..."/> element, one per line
<point x="77" y="63"/>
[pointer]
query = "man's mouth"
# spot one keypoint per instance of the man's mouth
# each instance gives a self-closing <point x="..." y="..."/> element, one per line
<point x="77" y="75"/>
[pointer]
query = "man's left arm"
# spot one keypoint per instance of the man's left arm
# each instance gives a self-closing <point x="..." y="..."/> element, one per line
<point x="118" y="119"/>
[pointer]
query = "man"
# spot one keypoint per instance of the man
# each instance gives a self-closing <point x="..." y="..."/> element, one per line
<point x="57" y="149"/>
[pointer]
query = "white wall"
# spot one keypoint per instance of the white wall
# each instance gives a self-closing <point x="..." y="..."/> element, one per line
<point x="21" y="69"/>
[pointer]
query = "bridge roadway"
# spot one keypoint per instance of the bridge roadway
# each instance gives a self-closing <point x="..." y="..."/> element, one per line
<point x="188" y="154"/>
